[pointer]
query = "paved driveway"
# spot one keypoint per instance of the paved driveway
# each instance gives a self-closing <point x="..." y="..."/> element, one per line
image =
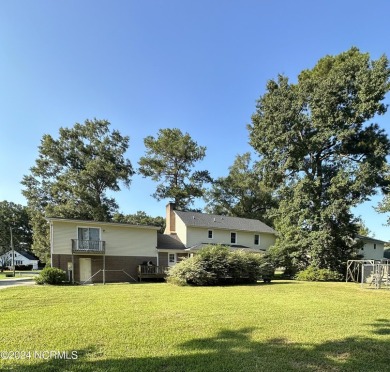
<point x="16" y="282"/>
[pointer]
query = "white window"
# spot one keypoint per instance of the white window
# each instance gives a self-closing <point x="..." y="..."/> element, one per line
<point x="210" y="234"/>
<point x="257" y="239"/>
<point x="233" y="238"/>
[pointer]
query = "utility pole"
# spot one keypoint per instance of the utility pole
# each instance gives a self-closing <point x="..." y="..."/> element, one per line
<point x="13" y="252"/>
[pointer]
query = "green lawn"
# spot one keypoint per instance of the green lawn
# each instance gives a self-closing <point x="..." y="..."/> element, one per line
<point x="285" y="326"/>
<point x="18" y="274"/>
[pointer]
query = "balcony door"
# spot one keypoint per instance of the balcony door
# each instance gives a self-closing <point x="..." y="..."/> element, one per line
<point x="88" y="238"/>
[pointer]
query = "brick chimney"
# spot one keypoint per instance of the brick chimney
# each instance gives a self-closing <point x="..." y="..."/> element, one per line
<point x="170" y="220"/>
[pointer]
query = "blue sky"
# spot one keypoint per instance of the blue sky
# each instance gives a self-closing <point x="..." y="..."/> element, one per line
<point x="143" y="65"/>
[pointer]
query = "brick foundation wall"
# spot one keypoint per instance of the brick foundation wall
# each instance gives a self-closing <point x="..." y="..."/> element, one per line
<point x="126" y="263"/>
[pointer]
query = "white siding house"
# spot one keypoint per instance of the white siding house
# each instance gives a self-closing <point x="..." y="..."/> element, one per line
<point x="187" y="232"/>
<point x="373" y="249"/>
<point x="20" y="258"/>
<point x="92" y="251"/>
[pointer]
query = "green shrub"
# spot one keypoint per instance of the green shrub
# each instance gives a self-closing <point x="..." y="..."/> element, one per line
<point x="216" y="265"/>
<point x="51" y="275"/>
<point x="313" y="274"/>
<point x="190" y="271"/>
<point x="9" y="275"/>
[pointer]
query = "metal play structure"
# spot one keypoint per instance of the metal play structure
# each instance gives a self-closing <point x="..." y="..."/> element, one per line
<point x="370" y="273"/>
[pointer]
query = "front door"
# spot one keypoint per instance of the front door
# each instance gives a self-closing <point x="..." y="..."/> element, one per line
<point x="85" y="269"/>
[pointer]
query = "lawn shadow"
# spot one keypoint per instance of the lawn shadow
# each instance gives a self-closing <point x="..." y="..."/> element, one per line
<point x="381" y="327"/>
<point x="235" y="350"/>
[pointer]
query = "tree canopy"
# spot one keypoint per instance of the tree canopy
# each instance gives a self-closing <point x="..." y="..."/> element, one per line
<point x="321" y="154"/>
<point x="14" y="216"/>
<point x="241" y="193"/>
<point x="384" y="205"/>
<point x="170" y="159"/>
<point x="72" y="175"/>
<point x="140" y="218"/>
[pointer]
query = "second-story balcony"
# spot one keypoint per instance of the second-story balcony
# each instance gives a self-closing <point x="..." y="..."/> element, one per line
<point x="88" y="246"/>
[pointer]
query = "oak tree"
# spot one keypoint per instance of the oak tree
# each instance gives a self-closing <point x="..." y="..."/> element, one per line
<point x="140" y="218"/>
<point x="14" y="217"/>
<point x="72" y="175"/>
<point x="322" y="154"/>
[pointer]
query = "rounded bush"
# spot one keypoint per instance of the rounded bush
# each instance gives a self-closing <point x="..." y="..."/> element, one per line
<point x="216" y="265"/>
<point x="51" y="275"/>
<point x="314" y="274"/>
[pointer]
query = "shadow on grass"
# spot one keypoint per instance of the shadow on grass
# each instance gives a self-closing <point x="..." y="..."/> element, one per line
<point x="382" y="327"/>
<point x="234" y="350"/>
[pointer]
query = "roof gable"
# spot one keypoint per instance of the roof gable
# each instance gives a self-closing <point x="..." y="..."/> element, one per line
<point x="29" y="256"/>
<point x="25" y="254"/>
<point x="212" y="221"/>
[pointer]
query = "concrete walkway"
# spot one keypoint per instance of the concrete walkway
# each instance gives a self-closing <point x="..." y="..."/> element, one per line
<point x="7" y="283"/>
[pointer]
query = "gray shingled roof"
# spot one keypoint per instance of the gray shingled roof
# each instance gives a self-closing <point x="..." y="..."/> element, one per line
<point x="29" y="255"/>
<point x="172" y="241"/>
<point x="196" y="219"/>
<point x="368" y="239"/>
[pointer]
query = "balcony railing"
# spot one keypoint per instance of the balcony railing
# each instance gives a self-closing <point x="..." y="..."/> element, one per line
<point x="88" y="246"/>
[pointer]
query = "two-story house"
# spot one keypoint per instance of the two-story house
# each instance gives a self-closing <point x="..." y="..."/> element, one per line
<point x="91" y="251"/>
<point x="96" y="252"/>
<point x="187" y="232"/>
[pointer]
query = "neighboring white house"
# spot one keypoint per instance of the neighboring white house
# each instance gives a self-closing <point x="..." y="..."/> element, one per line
<point x="20" y="258"/>
<point x="373" y="249"/>
<point x="187" y="232"/>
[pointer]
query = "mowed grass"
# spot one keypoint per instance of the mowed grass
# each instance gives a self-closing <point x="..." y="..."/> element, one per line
<point x="18" y="274"/>
<point x="285" y="326"/>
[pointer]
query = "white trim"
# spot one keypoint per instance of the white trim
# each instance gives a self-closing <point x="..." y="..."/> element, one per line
<point x="101" y="223"/>
<point x="167" y="250"/>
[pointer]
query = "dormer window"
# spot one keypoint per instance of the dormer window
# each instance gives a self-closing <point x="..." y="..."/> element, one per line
<point x="210" y="234"/>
